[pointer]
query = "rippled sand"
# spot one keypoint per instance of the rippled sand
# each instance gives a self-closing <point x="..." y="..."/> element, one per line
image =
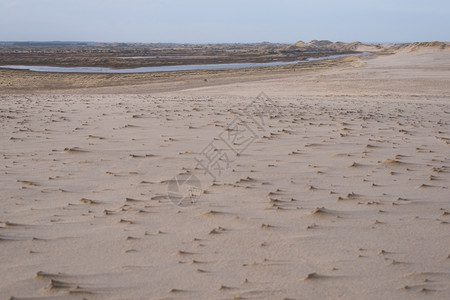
<point x="331" y="184"/>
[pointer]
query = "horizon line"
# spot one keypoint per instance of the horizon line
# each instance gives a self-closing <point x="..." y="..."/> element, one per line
<point x="205" y="43"/>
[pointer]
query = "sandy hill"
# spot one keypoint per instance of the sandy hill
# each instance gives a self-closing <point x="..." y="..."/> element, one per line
<point x="325" y="45"/>
<point x="423" y="46"/>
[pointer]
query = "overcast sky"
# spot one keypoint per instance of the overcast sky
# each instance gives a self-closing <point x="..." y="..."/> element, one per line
<point x="219" y="21"/>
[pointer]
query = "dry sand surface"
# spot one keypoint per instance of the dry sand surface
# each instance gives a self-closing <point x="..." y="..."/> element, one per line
<point x="342" y="191"/>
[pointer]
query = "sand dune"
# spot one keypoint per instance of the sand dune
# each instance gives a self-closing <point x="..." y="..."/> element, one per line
<point x="338" y="189"/>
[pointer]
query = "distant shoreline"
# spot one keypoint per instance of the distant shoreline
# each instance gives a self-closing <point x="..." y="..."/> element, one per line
<point x="23" y="81"/>
<point x="131" y="56"/>
<point x="98" y="70"/>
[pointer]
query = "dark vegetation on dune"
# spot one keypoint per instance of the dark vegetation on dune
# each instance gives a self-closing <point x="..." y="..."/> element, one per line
<point x="120" y="55"/>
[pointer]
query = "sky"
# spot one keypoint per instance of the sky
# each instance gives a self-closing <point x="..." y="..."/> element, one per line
<point x="219" y="21"/>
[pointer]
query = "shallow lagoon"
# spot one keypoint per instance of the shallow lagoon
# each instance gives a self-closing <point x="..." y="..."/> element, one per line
<point x="168" y="68"/>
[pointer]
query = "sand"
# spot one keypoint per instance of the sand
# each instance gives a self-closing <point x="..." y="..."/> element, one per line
<point x="333" y="184"/>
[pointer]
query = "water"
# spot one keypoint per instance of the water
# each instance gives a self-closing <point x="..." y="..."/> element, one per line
<point x="153" y="57"/>
<point x="169" y="68"/>
<point x="333" y="56"/>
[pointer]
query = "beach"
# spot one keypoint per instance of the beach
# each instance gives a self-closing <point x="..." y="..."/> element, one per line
<point x="324" y="182"/>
